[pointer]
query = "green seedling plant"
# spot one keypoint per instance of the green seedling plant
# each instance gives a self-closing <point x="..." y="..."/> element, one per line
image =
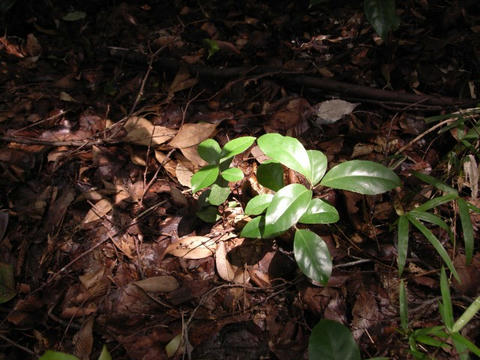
<point x="421" y="214"/>
<point x="273" y="214"/>
<point x="437" y="336"/>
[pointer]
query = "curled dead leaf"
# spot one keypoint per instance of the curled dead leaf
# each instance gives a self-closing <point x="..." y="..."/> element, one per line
<point x="192" y="247"/>
<point x="225" y="270"/>
<point x="142" y="132"/>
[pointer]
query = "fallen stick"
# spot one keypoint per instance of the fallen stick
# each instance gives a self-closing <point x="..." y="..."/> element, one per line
<point x="301" y="79"/>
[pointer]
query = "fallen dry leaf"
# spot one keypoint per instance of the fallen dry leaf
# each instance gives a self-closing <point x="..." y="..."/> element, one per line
<point x="182" y="81"/>
<point x="142" y="132"/>
<point x="225" y="270"/>
<point x="99" y="210"/>
<point x="192" y="247"/>
<point x="83" y="339"/>
<point x="158" y="284"/>
<point x="192" y="134"/>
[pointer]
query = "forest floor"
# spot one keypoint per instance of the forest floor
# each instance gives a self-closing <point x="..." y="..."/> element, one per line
<point x="90" y="203"/>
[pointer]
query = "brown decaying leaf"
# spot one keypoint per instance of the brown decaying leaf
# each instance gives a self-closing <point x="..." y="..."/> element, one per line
<point x="184" y="174"/>
<point x="181" y="82"/>
<point x="192" y="134"/>
<point x="3" y="224"/>
<point x="83" y="340"/>
<point x="191" y="154"/>
<point x="225" y="270"/>
<point x="142" y="132"/>
<point x="158" y="284"/>
<point x="99" y="210"/>
<point x="192" y="247"/>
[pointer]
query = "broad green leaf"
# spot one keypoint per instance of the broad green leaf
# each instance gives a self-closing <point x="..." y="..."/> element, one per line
<point x="466" y="344"/>
<point x="204" y="177"/>
<point x="403" y="306"/>
<point x="435" y="243"/>
<point x="312" y="256"/>
<point x="435" y="182"/>
<point x="255" y="228"/>
<point x="57" y="355"/>
<point x="381" y="14"/>
<point x="208" y="214"/>
<point x="105" y="355"/>
<point x="446" y="310"/>
<point x="232" y="174"/>
<point x="270" y="175"/>
<point x="331" y="340"/>
<point x="467" y="315"/>
<point x="319" y="212"/>
<point x="361" y="176"/>
<point x="173" y="345"/>
<point x="432" y="203"/>
<point x="218" y="193"/>
<point x="212" y="47"/>
<point x="318" y="164"/>
<point x="286" y="208"/>
<point x="402" y="246"/>
<point x="288" y="151"/>
<point x="258" y="204"/>
<point x="432" y="219"/>
<point x="7" y="283"/>
<point x="209" y="150"/>
<point x="467" y="228"/>
<point x="236" y="146"/>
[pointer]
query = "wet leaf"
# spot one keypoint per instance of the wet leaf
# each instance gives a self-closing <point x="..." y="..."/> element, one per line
<point x="331" y="340"/>
<point x="164" y="283"/>
<point x="360" y="176"/>
<point x="312" y="256"/>
<point x="192" y="247"/>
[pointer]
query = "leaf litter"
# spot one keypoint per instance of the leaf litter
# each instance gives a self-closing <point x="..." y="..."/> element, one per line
<point x="100" y="242"/>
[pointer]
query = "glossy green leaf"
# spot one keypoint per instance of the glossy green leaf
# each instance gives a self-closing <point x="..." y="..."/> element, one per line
<point x="331" y="340"/>
<point x="435" y="243"/>
<point x="382" y="15"/>
<point x="287" y="151"/>
<point x="208" y="214"/>
<point x="236" y="146"/>
<point x="209" y="150"/>
<point x="446" y="309"/>
<point x="432" y="219"/>
<point x="466" y="344"/>
<point x="258" y="204"/>
<point x="319" y="212"/>
<point x="57" y="355"/>
<point x="255" y="228"/>
<point x="218" y="193"/>
<point x="105" y="355"/>
<point x="7" y="283"/>
<point x="270" y="175"/>
<point x="403" y="306"/>
<point x="204" y="177"/>
<point x="232" y="174"/>
<point x="432" y="203"/>
<point x="286" y="208"/>
<point x="435" y="182"/>
<point x="467" y="315"/>
<point x="467" y="229"/>
<point x="318" y="164"/>
<point x="312" y="256"/>
<point x="402" y="245"/>
<point x="361" y="176"/>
